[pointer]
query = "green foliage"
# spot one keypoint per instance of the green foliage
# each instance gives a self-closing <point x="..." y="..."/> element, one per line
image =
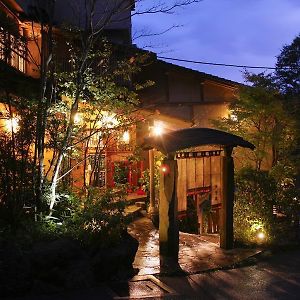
<point x="259" y="116"/>
<point x="255" y="196"/>
<point x="16" y="163"/>
<point x="145" y="180"/>
<point x="288" y="68"/>
<point x="288" y="194"/>
<point x="100" y="219"/>
<point x="268" y="203"/>
<point x="97" y="220"/>
<point x="288" y="77"/>
<point x="121" y="173"/>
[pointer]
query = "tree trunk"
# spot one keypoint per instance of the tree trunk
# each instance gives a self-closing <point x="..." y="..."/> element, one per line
<point x="63" y="151"/>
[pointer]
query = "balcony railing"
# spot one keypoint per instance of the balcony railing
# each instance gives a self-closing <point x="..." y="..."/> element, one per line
<point x="13" y="50"/>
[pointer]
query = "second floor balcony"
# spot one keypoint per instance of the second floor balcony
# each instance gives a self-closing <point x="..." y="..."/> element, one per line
<point x="13" y="50"/>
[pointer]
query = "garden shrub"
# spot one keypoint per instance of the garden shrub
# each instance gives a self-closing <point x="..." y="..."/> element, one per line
<point x="99" y="220"/>
<point x="268" y="203"/>
<point x="255" y="196"/>
<point x="95" y="220"/>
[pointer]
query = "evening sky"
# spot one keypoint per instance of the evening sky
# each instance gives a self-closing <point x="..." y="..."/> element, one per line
<point x="247" y="32"/>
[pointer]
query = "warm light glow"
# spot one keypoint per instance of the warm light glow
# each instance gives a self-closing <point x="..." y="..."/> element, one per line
<point x="261" y="235"/>
<point x="109" y="120"/>
<point x="126" y="137"/>
<point x="165" y="169"/>
<point x="233" y="117"/>
<point x="77" y="118"/>
<point x="157" y="129"/>
<point x="12" y="124"/>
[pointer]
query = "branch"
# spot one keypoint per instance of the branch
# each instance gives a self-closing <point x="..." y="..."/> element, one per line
<point x="70" y="170"/>
<point x="161" y="7"/>
<point x="145" y="33"/>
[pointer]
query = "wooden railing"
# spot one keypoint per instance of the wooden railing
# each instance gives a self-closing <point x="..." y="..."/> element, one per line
<point x="13" y="50"/>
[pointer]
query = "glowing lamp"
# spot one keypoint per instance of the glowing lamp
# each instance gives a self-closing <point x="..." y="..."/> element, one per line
<point x="261" y="235"/>
<point x="157" y="129"/>
<point x="12" y="124"/>
<point x="165" y="169"/>
<point x="126" y="137"/>
<point x="77" y="118"/>
<point x="109" y="120"/>
<point x="233" y="117"/>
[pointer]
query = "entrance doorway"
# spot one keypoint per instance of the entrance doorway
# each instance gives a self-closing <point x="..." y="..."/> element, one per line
<point x="199" y="190"/>
<point x="170" y="144"/>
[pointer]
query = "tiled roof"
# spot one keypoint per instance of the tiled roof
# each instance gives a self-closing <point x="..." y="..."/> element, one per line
<point x="201" y="74"/>
<point x="191" y="137"/>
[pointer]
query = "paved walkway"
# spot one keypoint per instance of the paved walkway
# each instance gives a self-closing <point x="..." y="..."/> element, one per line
<point x="274" y="277"/>
<point x="196" y="254"/>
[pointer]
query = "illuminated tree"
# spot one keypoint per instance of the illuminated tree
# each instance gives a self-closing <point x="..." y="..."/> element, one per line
<point x="258" y="115"/>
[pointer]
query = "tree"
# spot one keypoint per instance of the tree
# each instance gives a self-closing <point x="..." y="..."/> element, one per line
<point x="288" y="69"/>
<point x="87" y="53"/>
<point x="96" y="74"/>
<point x="258" y="115"/>
<point x="288" y="78"/>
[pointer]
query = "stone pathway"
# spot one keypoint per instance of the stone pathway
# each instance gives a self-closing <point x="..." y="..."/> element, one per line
<point x="196" y="254"/>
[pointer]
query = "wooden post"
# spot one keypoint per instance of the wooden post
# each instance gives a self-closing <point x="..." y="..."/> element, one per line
<point x="226" y="228"/>
<point x="151" y="182"/>
<point x="200" y="215"/>
<point x="168" y="223"/>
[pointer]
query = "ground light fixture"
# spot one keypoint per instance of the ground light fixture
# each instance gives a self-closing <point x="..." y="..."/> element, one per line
<point x="233" y="117"/>
<point x="261" y="236"/>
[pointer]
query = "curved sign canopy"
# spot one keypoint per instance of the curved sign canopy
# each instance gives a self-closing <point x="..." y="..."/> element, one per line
<point x="191" y="137"/>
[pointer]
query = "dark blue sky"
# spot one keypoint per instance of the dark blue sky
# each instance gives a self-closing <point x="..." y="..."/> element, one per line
<point x="247" y="32"/>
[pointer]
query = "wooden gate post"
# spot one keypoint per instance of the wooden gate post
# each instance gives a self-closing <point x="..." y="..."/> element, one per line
<point x="226" y="228"/>
<point x="151" y="182"/>
<point x="168" y="223"/>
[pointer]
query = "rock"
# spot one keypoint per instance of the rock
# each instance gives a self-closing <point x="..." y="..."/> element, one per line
<point x="110" y="262"/>
<point x="62" y="263"/>
<point x="80" y="275"/>
<point x="15" y="271"/>
<point x="54" y="266"/>
<point x="58" y="253"/>
<point x="41" y="287"/>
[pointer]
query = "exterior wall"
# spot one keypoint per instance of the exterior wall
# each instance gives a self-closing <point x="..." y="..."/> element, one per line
<point x="186" y="94"/>
<point x="33" y="46"/>
<point x="158" y="93"/>
<point x="184" y="88"/>
<point x="216" y="92"/>
<point x="204" y="113"/>
<point x="25" y="29"/>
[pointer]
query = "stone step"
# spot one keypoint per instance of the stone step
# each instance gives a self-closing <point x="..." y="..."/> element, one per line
<point x="132" y="211"/>
<point x="141" y="204"/>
